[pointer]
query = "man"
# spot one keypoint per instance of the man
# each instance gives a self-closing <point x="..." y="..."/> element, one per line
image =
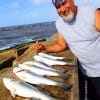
<point x="80" y="27"/>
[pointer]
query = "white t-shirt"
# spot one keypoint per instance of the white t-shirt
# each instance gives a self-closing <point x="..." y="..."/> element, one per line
<point x="83" y="39"/>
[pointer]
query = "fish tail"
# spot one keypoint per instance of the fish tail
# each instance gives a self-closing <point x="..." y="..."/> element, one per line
<point x="70" y="64"/>
<point x="65" y="86"/>
<point x="65" y="76"/>
<point x="33" y="98"/>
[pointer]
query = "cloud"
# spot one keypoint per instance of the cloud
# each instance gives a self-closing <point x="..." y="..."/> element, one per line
<point x="39" y="1"/>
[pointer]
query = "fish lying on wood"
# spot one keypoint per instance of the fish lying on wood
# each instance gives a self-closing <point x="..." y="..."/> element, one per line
<point x="43" y="71"/>
<point x="51" y="61"/>
<point x="48" y="61"/>
<point x="37" y="79"/>
<point x="50" y="56"/>
<point x="24" y="89"/>
<point x="55" y="57"/>
<point x="40" y="64"/>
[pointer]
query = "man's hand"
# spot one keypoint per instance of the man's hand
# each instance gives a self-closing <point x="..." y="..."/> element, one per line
<point x="38" y="47"/>
<point x="59" y="46"/>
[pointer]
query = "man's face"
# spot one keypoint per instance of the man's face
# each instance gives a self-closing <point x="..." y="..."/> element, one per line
<point x="66" y="10"/>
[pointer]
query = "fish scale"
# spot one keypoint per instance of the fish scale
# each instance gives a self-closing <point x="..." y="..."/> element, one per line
<point x="24" y="89"/>
<point x="37" y="79"/>
<point x="43" y="71"/>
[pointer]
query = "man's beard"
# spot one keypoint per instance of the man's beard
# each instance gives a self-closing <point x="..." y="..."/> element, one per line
<point x="70" y="17"/>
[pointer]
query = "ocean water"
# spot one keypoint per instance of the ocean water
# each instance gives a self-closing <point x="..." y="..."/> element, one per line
<point x="15" y="35"/>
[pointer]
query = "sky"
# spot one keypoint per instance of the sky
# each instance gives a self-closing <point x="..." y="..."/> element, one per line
<point x="20" y="12"/>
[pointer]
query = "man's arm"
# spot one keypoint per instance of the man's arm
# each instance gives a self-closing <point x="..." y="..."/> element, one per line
<point x="60" y="45"/>
<point x="97" y="19"/>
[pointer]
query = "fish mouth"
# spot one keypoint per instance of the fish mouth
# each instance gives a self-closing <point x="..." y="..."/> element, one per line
<point x="15" y="76"/>
<point x="17" y="69"/>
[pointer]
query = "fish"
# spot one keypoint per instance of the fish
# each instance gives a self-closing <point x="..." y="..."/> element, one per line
<point x="43" y="71"/>
<point x="50" y="56"/>
<point x="68" y="59"/>
<point x="52" y="62"/>
<point x="49" y="61"/>
<point x="40" y="64"/>
<point x="43" y="65"/>
<point x="33" y="78"/>
<point x="23" y="89"/>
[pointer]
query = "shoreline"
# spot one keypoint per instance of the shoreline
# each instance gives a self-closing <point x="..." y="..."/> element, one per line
<point x="14" y="52"/>
<point x="22" y="45"/>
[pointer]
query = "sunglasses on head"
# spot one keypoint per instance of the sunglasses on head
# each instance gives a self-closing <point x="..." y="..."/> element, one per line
<point x="58" y="3"/>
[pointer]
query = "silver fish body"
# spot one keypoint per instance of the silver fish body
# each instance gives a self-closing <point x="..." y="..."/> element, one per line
<point x="49" y="61"/>
<point x="37" y="79"/>
<point x="24" y="89"/>
<point x="40" y="64"/>
<point x="42" y="71"/>
<point x="50" y="56"/>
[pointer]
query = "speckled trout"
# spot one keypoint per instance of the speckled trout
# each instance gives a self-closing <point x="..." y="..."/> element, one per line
<point x="33" y="78"/>
<point x="24" y="89"/>
<point x="49" y="61"/>
<point x="40" y="64"/>
<point x="50" y="56"/>
<point x="43" y="71"/>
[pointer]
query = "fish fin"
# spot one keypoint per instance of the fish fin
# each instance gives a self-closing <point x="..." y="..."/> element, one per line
<point x="33" y="98"/>
<point x="70" y="63"/>
<point x="65" y="76"/>
<point x="12" y="91"/>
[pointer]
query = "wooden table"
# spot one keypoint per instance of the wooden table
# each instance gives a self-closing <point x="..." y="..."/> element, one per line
<point x="73" y="93"/>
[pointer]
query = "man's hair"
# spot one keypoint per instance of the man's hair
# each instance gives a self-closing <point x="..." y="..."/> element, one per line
<point x="98" y="8"/>
<point x="57" y="2"/>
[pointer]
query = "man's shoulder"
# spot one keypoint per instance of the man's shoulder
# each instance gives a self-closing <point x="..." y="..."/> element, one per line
<point x="58" y="21"/>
